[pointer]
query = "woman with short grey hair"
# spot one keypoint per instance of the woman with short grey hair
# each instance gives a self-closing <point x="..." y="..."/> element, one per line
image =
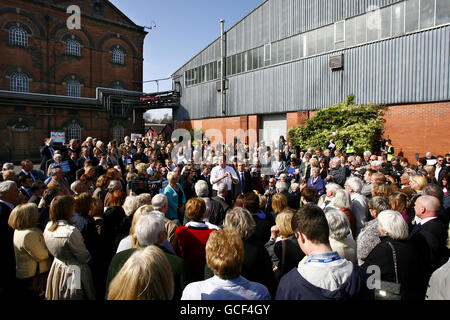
<point x="396" y="258"/>
<point x="339" y="227"/>
<point x="342" y="201"/>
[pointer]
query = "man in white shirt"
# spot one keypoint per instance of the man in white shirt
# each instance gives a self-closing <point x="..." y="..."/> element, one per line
<point x="223" y="173"/>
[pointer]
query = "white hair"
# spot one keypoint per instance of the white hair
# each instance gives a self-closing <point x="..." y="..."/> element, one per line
<point x="148" y="227"/>
<point x="338" y="224"/>
<point x="222" y="188"/>
<point x="393" y="224"/>
<point x="341" y="199"/>
<point x="355" y="184"/>
<point x="5" y="187"/>
<point x="201" y="188"/>
<point x="99" y="144"/>
<point x="367" y="153"/>
<point x="130" y="205"/>
<point x="113" y="184"/>
<point x="159" y="201"/>
<point x="282" y="186"/>
<point x="8" y="166"/>
<point x="333" y="187"/>
<point x="315" y="169"/>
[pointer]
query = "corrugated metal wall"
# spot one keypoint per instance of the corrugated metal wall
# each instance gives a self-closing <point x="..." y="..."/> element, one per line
<point x="277" y="19"/>
<point x="407" y="69"/>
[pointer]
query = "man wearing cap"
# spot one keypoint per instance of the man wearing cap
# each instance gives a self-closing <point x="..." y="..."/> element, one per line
<point x="223" y="173"/>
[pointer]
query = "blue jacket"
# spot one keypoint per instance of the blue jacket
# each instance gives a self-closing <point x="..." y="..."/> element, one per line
<point x="319" y="185"/>
<point x="172" y="200"/>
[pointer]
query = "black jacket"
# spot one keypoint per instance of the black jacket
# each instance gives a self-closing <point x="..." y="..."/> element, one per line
<point x="410" y="274"/>
<point x="237" y="190"/>
<point x="8" y="265"/>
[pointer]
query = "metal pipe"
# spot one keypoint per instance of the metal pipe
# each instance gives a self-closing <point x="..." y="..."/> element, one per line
<point x="222" y="66"/>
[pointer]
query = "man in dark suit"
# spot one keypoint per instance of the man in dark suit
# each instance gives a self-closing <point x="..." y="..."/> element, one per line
<point x="440" y="170"/>
<point x="429" y="236"/>
<point x="80" y="172"/>
<point x="9" y="198"/>
<point x="222" y="191"/>
<point x="245" y="181"/>
<point x="46" y="152"/>
<point x="25" y="183"/>
<point x="140" y="155"/>
<point x="86" y="155"/>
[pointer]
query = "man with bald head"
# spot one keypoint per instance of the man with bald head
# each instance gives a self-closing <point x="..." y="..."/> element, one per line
<point x="430" y="234"/>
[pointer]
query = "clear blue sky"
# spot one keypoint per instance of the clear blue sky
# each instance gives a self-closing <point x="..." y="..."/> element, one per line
<point x="183" y="28"/>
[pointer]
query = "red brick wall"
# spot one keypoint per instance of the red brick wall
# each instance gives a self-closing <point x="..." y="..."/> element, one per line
<point x="416" y="128"/>
<point x="419" y="128"/>
<point x="94" y="66"/>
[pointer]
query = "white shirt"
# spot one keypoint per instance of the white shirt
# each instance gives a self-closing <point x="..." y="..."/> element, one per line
<point x="217" y="172"/>
<point x="436" y="172"/>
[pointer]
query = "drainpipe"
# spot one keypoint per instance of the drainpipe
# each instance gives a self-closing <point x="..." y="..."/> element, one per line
<point x="222" y="66"/>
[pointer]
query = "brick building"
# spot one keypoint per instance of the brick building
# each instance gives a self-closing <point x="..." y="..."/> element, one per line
<point x="285" y="59"/>
<point x="53" y="78"/>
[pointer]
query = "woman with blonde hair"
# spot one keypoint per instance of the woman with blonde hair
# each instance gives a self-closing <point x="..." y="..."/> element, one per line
<point x="70" y="277"/>
<point x="282" y="246"/>
<point x="399" y="203"/>
<point x="32" y="257"/>
<point x="279" y="203"/>
<point x="146" y="275"/>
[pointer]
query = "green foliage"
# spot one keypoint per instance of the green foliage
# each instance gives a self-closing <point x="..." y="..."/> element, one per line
<point x="196" y="133"/>
<point x="364" y="124"/>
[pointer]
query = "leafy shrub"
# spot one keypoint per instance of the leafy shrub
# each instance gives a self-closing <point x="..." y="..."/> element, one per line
<point x="364" y="124"/>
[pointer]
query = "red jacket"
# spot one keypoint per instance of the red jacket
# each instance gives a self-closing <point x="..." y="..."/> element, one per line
<point x="192" y="242"/>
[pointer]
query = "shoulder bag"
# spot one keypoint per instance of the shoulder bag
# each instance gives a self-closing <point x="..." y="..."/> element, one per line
<point x="390" y="290"/>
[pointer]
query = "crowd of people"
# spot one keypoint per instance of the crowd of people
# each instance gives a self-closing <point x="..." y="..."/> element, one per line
<point x="156" y="219"/>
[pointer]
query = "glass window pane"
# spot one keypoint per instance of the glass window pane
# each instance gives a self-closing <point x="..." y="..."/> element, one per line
<point x="244" y="61"/>
<point x="442" y="11"/>
<point x="249" y="60"/>
<point x="373" y="25"/>
<point x="361" y="29"/>
<point x="412" y="15"/>
<point x="398" y="19"/>
<point x="281" y="51"/>
<point x="329" y="38"/>
<point x="208" y="70"/>
<point x="255" y="58"/>
<point x="228" y="66"/>
<point x="219" y="69"/>
<point x="288" y="49"/>
<point x="233" y="64"/>
<point x="260" y="51"/>
<point x="238" y="63"/>
<point x="426" y="13"/>
<point x="311" y="43"/>
<point x="320" y="35"/>
<point x="385" y="22"/>
<point x="215" y="65"/>
<point x="303" y="44"/>
<point x="339" y="31"/>
<point x="350" y="25"/>
<point x="295" y="47"/>
<point x="274" y="54"/>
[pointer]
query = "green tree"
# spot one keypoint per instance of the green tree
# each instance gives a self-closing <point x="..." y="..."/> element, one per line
<point x="364" y="124"/>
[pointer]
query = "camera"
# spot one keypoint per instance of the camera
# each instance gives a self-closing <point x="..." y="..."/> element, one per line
<point x="144" y="186"/>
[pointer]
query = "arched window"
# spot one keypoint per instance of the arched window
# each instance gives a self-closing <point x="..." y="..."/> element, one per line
<point x="19" y="82"/>
<point x="73" y="88"/>
<point x="118" y="56"/>
<point x="118" y="133"/>
<point x="18" y="37"/>
<point x="74" y="132"/>
<point x="73" y="48"/>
